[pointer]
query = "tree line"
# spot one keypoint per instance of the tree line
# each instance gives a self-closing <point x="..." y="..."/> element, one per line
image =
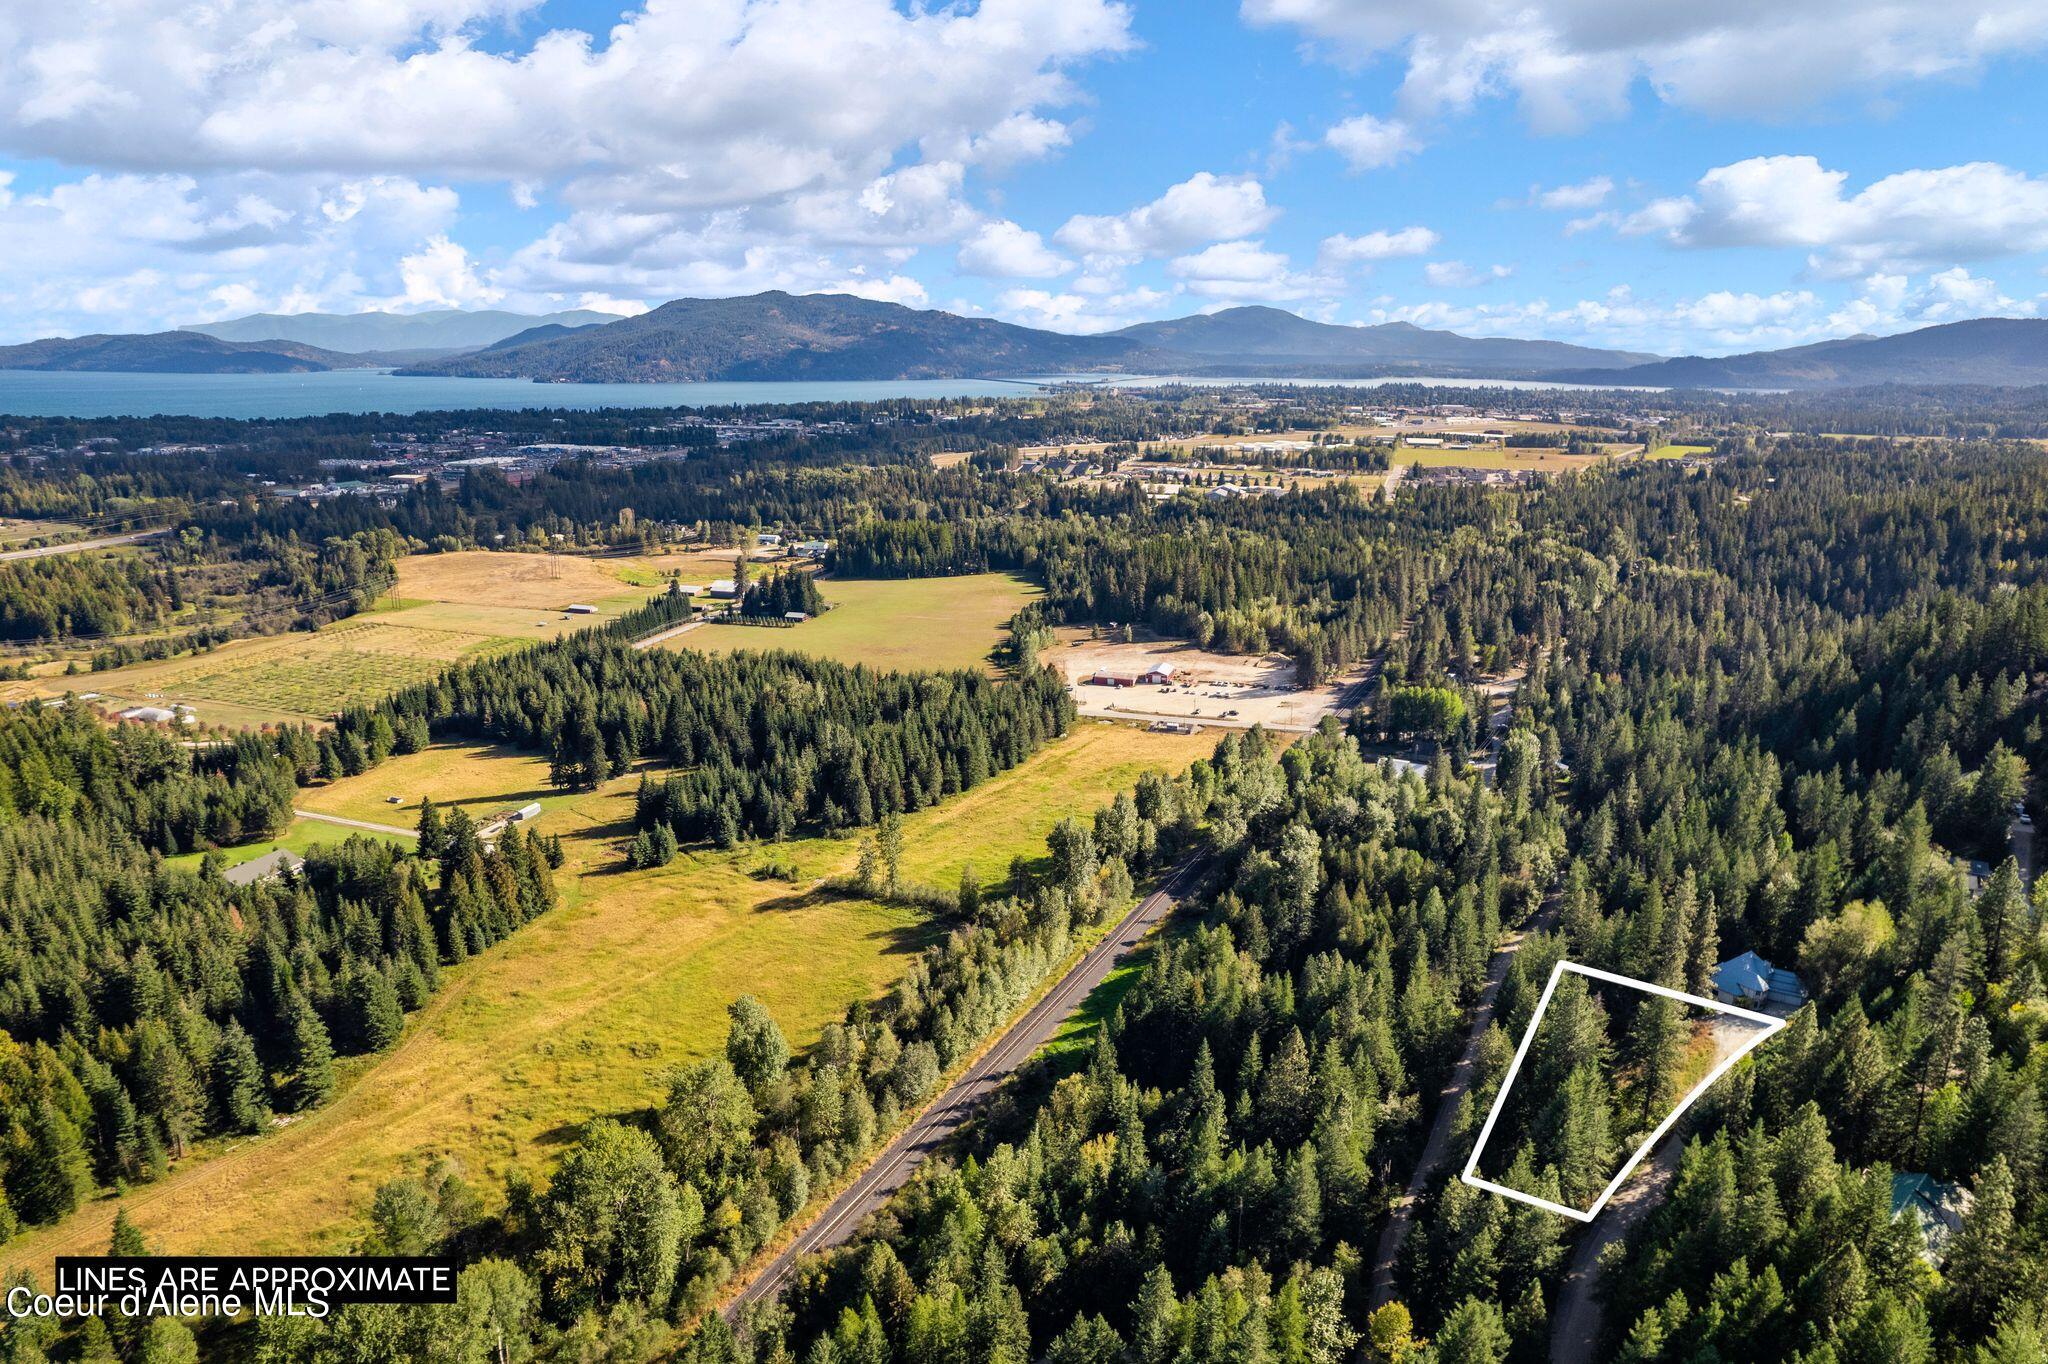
<point x="145" y="1007"/>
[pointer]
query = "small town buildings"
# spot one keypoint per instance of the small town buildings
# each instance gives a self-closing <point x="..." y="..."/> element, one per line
<point x="724" y="588"/>
<point x="268" y="867"/>
<point x="1753" y="983"/>
<point x="577" y="608"/>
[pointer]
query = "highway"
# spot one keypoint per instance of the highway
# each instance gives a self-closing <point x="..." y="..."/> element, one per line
<point x="76" y="546"/>
<point x="950" y="1111"/>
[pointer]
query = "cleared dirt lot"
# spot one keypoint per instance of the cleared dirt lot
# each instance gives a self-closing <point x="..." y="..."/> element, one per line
<point x="1227" y="690"/>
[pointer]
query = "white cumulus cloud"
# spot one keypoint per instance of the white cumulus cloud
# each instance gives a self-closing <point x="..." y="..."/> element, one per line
<point x="1369" y="143"/>
<point x="1003" y="250"/>
<point x="800" y="143"/>
<point x="1247" y="272"/>
<point x="1341" y="250"/>
<point x="1205" y="207"/>
<point x="1455" y="274"/>
<point x="1586" y="194"/>
<point x="1568" y="62"/>
<point x="1906" y="221"/>
<point x="1070" y="311"/>
<point x="126" y="252"/>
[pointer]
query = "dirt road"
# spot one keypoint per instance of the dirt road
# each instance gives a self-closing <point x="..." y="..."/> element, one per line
<point x="1576" y="1321"/>
<point x="649" y="641"/>
<point x="371" y="825"/>
<point x="1438" y="1146"/>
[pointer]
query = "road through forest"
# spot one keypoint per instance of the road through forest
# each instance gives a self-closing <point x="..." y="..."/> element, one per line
<point x="1438" y="1146"/>
<point x="79" y="546"/>
<point x="892" y="1169"/>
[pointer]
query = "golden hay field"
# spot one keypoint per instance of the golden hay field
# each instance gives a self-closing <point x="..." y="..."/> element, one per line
<point x="582" y="1012"/>
<point x="526" y="581"/>
<point x="445" y="608"/>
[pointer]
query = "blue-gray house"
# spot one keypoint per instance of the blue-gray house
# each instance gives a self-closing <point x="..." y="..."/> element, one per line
<point x="1937" y="1207"/>
<point x="1754" y="983"/>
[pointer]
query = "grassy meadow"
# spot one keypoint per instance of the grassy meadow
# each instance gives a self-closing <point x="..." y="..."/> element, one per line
<point x="583" y="1012"/>
<point x="444" y="608"/>
<point x="299" y="836"/>
<point x="895" y="624"/>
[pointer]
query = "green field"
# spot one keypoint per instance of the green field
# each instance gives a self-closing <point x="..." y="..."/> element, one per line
<point x="299" y="836"/>
<point x="449" y="608"/>
<point x="583" y="1011"/>
<point x="894" y="623"/>
<point x="16" y="530"/>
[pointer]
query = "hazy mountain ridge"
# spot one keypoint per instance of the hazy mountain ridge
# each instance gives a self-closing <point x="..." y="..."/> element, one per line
<point x="777" y="336"/>
<point x="442" y="329"/>
<point x="175" y="352"/>
<point x="2004" y="351"/>
<point x="1275" y="336"/>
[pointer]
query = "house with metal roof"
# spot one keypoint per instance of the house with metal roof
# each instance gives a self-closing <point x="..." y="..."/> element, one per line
<point x="1937" y="1207"/>
<point x="268" y="867"/>
<point x="1754" y="983"/>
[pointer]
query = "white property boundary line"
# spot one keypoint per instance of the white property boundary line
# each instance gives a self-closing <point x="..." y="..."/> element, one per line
<point x="1471" y="1175"/>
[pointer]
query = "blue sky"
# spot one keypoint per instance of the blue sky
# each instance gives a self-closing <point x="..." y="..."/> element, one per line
<point x="1653" y="174"/>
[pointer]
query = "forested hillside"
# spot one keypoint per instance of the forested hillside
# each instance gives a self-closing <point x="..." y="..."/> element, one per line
<point x="143" y="1009"/>
<point x="1203" y="1188"/>
<point x="759" y="744"/>
<point x="1789" y="697"/>
<point x="1785" y="692"/>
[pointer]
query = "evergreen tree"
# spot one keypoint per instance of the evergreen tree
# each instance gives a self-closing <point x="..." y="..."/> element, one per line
<point x="310" y="1058"/>
<point x="1473" y="1334"/>
<point x="375" y="1018"/>
<point x="127" y="1238"/>
<point x="432" y="834"/>
<point x="239" y="1087"/>
<point x="51" y="1176"/>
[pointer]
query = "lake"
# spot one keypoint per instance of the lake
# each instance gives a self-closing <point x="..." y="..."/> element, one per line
<point x="38" y="393"/>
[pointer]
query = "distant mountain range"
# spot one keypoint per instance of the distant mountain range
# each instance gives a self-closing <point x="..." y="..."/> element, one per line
<point x="789" y="336"/>
<point x="1989" y="350"/>
<point x="780" y="336"/>
<point x="1273" y="338"/>
<point x="444" y="329"/>
<point x="836" y="336"/>
<point x="180" y="352"/>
